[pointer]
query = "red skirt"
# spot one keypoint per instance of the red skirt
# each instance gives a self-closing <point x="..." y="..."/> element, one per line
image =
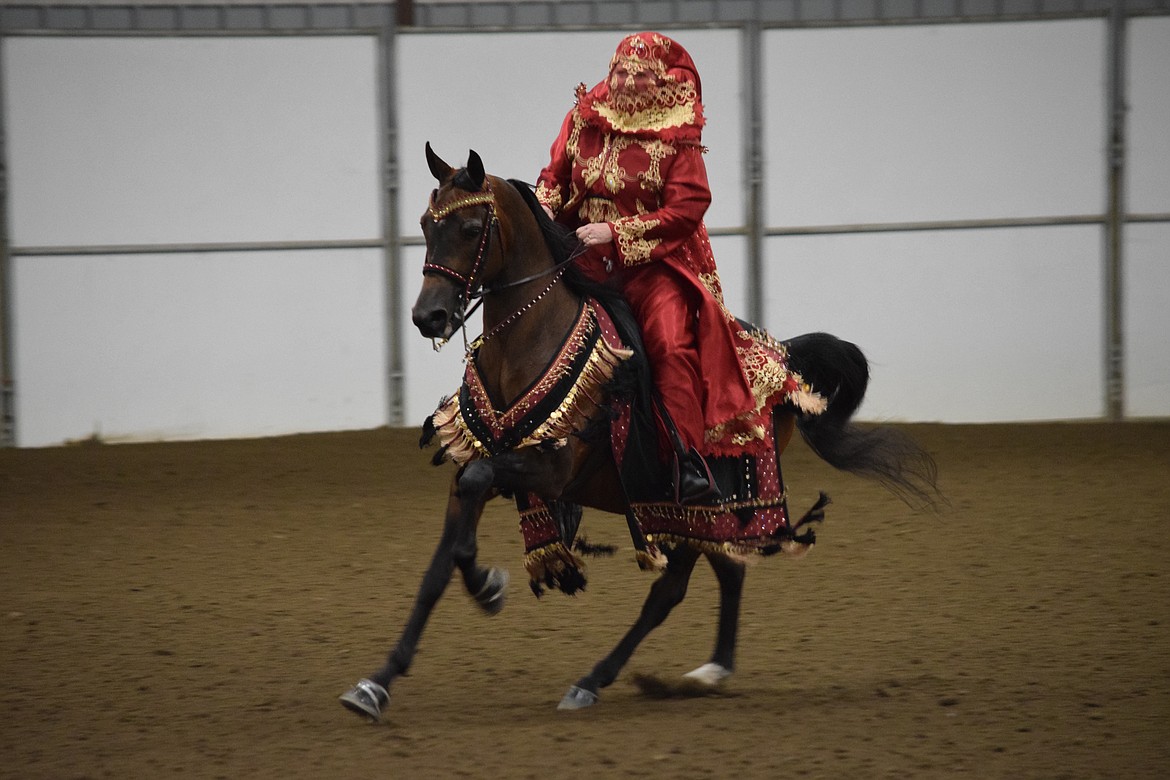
<point x="690" y="342"/>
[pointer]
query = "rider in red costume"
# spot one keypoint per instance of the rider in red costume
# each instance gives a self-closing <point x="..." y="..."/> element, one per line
<point x="627" y="174"/>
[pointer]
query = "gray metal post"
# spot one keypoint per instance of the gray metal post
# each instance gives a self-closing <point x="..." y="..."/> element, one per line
<point x="1115" y="219"/>
<point x="392" y="264"/>
<point x="7" y="380"/>
<point x="754" y="163"/>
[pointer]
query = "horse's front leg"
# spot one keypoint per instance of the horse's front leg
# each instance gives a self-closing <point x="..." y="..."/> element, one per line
<point x="470" y="490"/>
<point x="666" y="593"/>
<point x="730" y="574"/>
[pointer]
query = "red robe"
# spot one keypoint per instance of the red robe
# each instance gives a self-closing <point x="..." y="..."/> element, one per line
<point x="653" y="194"/>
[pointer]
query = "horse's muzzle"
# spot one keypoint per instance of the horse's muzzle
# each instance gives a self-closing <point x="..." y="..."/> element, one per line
<point x="435" y="322"/>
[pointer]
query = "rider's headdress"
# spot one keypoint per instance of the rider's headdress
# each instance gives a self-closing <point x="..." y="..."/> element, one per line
<point x="668" y="107"/>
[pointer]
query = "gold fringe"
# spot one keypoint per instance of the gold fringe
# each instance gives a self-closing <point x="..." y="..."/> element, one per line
<point x="461" y="444"/>
<point x="579" y="406"/>
<point x="553" y="559"/>
<point x="740" y="552"/>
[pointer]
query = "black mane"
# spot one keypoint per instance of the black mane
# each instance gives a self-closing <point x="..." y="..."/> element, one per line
<point x="562" y="243"/>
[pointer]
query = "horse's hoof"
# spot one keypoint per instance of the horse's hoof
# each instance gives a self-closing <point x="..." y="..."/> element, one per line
<point x="710" y="674"/>
<point x="366" y="698"/>
<point x="491" y="596"/>
<point x="577" y="699"/>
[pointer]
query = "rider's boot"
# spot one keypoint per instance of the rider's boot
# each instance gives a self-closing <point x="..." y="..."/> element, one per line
<point x="693" y="482"/>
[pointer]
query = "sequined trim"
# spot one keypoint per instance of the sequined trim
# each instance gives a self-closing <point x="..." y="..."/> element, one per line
<point x="477" y="199"/>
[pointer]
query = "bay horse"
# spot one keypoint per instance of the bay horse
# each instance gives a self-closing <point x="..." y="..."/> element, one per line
<point x="488" y="239"/>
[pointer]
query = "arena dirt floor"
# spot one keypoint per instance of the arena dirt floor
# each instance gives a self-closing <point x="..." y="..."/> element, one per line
<point x="193" y="610"/>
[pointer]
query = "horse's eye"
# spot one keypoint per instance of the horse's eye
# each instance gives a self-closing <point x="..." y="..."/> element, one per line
<point x="471" y="228"/>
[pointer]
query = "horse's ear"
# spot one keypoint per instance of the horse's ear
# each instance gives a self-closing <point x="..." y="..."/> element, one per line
<point x="439" y="169"/>
<point x="475" y="169"/>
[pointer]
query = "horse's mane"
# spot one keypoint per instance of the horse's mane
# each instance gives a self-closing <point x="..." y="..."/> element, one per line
<point x="632" y="380"/>
<point x="562" y="243"/>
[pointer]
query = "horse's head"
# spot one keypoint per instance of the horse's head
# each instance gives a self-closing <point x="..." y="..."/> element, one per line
<point x="458" y="225"/>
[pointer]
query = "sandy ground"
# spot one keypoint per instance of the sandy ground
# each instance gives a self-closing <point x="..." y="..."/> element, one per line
<point x="193" y="610"/>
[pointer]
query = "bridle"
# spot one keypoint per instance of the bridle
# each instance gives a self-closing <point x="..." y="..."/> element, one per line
<point x="490" y="224"/>
<point x="472" y="286"/>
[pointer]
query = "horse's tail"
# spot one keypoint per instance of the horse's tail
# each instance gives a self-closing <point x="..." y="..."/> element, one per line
<point x="838" y="370"/>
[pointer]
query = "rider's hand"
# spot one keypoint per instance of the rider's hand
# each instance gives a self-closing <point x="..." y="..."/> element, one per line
<point x="595" y="234"/>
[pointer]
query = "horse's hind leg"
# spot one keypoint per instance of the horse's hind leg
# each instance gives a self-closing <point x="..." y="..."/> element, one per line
<point x="457" y="546"/>
<point x="666" y="592"/>
<point x="730" y="574"/>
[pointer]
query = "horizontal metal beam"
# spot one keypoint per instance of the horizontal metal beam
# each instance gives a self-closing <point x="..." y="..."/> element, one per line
<point x="715" y="232"/>
<point x="958" y="224"/>
<point x="210" y="18"/>
<point x="193" y="248"/>
<point x="610" y="14"/>
<point x="192" y="19"/>
<point x="906" y="227"/>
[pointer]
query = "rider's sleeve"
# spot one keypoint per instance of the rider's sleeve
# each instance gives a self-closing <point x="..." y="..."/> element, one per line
<point x="552" y="186"/>
<point x="684" y="200"/>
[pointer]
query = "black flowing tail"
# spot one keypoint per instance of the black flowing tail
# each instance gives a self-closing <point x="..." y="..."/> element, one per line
<point x="839" y="371"/>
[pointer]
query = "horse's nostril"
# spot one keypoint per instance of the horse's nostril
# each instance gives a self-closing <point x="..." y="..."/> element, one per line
<point x="430" y="323"/>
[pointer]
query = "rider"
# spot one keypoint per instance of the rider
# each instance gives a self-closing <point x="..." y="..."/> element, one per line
<point x="627" y="174"/>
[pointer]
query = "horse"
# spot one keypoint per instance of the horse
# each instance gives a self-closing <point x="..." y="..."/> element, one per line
<point x="488" y="240"/>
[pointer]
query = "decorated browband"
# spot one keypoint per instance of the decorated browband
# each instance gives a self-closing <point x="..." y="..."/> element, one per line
<point x="474" y="199"/>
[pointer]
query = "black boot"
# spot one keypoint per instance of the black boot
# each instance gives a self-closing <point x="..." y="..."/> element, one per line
<point x="693" y="482"/>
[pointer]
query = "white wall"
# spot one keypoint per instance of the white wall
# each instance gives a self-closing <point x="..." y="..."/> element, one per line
<point x="189" y="346"/>
<point x="122" y="141"/>
<point x="131" y="141"/>
<point x="959" y="326"/>
<point x="956" y="121"/>
<point x="118" y="141"/>
<point x="1146" y="278"/>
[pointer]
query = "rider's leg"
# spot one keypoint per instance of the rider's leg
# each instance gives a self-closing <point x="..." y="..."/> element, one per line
<point x="666" y="312"/>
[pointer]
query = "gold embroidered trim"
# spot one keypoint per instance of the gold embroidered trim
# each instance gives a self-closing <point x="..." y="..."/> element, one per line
<point x="765" y="364"/>
<point x="548" y="196"/>
<point x="573" y="144"/>
<point x="595" y="210"/>
<point x="652" y="118"/>
<point x="614" y="176"/>
<point x="631" y="239"/>
<point x="657" y="151"/>
<point x="715" y="287"/>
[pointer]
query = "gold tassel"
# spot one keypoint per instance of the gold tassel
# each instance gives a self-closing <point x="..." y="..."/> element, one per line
<point x="651" y="559"/>
<point x="552" y="560"/>
<point x="794" y="549"/>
